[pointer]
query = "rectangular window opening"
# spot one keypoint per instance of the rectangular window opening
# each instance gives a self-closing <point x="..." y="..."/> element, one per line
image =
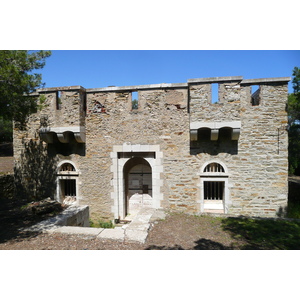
<point x="213" y="190"/>
<point x="84" y="103"/>
<point x="58" y="100"/>
<point x="255" y="96"/>
<point x="68" y="187"/>
<point x="214" y="93"/>
<point x="135" y="100"/>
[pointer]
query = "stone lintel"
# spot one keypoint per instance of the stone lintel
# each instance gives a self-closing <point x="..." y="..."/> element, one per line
<point x="138" y="87"/>
<point x="216" y="79"/>
<point x="265" y="80"/>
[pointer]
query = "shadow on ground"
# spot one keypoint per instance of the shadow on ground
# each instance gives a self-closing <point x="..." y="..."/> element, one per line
<point x="238" y="233"/>
<point x="201" y="244"/>
<point x="16" y="215"/>
<point x="264" y="234"/>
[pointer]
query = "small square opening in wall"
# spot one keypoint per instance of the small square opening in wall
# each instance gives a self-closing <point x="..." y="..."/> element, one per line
<point x="214" y="93"/>
<point x="255" y="95"/>
<point x="135" y="100"/>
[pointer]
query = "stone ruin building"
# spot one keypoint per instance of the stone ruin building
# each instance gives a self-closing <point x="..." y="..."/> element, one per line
<point x="181" y="147"/>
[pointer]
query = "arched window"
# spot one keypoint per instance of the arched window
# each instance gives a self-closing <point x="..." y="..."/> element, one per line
<point x="214" y="186"/>
<point x="67" y="167"/>
<point x="67" y="183"/>
<point x="214" y="167"/>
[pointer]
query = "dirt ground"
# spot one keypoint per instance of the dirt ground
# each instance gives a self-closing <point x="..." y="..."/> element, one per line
<point x="6" y="165"/>
<point x="177" y="232"/>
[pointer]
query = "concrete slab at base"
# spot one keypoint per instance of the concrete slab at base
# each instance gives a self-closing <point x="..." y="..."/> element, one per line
<point x="78" y="230"/>
<point x="73" y="215"/>
<point x="117" y="233"/>
<point x="138" y="226"/>
<point x="136" y="235"/>
<point x="159" y="214"/>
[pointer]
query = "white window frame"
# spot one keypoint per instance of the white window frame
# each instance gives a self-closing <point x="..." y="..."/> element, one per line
<point x="62" y="175"/>
<point x="214" y="176"/>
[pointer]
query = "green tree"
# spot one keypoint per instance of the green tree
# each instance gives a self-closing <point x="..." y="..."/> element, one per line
<point x="6" y="130"/>
<point x="135" y="104"/>
<point x="294" y="124"/>
<point x="17" y="80"/>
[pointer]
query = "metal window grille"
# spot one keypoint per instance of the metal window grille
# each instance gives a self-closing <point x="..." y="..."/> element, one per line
<point x="67" y="167"/>
<point x="214" y="167"/>
<point x="69" y="187"/>
<point x="213" y="190"/>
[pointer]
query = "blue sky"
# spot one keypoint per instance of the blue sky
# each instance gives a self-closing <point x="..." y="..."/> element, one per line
<point x="101" y="68"/>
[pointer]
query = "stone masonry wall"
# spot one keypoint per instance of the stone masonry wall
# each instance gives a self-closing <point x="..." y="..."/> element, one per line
<point x="36" y="161"/>
<point x="256" y="162"/>
<point x="157" y="121"/>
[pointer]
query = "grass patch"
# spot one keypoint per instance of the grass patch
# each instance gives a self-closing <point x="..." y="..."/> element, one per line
<point x="293" y="210"/>
<point x="101" y="224"/>
<point x="264" y="234"/>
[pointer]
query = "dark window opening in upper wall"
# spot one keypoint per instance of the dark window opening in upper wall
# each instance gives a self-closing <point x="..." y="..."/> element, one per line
<point x="58" y="100"/>
<point x="135" y="100"/>
<point x="84" y="104"/>
<point x="214" y="93"/>
<point x="255" y="96"/>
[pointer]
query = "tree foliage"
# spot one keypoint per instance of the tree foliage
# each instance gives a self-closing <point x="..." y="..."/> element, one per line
<point x="6" y="130"/>
<point x="294" y="122"/>
<point x="17" y="80"/>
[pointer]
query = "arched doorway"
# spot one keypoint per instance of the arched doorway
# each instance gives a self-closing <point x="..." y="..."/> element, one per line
<point x="137" y="185"/>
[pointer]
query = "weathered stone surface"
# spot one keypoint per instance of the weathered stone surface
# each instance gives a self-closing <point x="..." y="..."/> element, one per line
<point x="117" y="233"/>
<point x="72" y="216"/>
<point x="159" y="131"/>
<point x="78" y="230"/>
<point x="136" y="235"/>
